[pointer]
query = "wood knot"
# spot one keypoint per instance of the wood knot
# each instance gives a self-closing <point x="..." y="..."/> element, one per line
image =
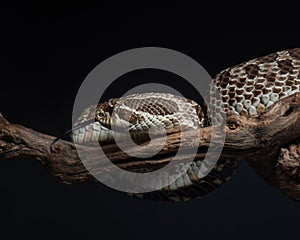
<point x="232" y="126"/>
<point x="232" y="123"/>
<point x="16" y="140"/>
<point x="55" y="148"/>
<point x="4" y="132"/>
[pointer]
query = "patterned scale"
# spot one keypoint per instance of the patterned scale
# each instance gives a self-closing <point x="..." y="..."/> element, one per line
<point x="246" y="89"/>
<point x="251" y="87"/>
<point x="138" y="113"/>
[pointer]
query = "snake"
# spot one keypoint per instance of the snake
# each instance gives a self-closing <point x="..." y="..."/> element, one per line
<point x="247" y="89"/>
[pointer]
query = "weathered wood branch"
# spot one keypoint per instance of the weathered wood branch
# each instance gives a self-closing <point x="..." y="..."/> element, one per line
<point x="270" y="143"/>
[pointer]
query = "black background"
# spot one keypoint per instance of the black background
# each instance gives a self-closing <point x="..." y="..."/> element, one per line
<point x="45" y="55"/>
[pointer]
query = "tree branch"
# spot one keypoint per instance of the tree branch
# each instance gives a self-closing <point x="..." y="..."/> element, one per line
<point x="269" y="142"/>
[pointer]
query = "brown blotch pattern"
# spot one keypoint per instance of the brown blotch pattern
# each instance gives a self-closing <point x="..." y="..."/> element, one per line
<point x="285" y="66"/>
<point x="151" y="105"/>
<point x="156" y="109"/>
<point x="258" y="80"/>
<point x="251" y="70"/>
<point x="295" y="53"/>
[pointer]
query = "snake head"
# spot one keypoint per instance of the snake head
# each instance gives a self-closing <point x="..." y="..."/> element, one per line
<point x="100" y="115"/>
<point x="103" y="117"/>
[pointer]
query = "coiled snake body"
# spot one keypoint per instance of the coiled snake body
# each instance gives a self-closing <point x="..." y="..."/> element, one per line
<point x="248" y="89"/>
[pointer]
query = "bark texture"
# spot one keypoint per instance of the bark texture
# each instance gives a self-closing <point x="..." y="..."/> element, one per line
<point x="270" y="142"/>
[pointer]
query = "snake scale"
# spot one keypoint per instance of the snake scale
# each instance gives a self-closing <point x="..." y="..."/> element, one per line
<point x="249" y="88"/>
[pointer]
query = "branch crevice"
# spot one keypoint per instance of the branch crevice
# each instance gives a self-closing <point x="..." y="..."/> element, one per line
<point x="269" y="142"/>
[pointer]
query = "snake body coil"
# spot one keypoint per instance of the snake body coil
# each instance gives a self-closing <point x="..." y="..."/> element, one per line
<point x="248" y="89"/>
<point x="251" y="87"/>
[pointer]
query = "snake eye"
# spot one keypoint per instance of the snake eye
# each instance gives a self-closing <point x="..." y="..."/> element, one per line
<point x="100" y="115"/>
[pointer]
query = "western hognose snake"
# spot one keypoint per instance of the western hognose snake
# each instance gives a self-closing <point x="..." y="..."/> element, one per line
<point x="246" y="89"/>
